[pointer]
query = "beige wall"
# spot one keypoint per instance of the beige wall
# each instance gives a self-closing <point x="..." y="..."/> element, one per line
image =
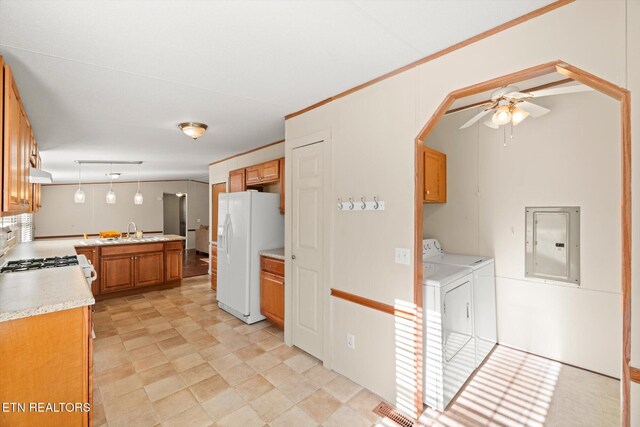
<point x="570" y="157"/>
<point x="61" y="216"/>
<point x="372" y="133"/>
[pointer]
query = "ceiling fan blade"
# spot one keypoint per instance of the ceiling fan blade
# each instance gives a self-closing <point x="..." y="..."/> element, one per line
<point x="475" y="118"/>
<point x="517" y="95"/>
<point x="490" y="124"/>
<point x="560" y="90"/>
<point x="533" y="109"/>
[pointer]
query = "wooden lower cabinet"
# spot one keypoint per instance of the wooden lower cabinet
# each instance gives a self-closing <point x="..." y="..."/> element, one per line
<point x="47" y="358"/>
<point x="272" y="290"/>
<point x="129" y="266"/>
<point x="173" y="261"/>
<point x="117" y="273"/>
<point x="148" y="269"/>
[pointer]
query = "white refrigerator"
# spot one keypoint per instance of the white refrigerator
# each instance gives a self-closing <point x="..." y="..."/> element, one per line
<point x="248" y="222"/>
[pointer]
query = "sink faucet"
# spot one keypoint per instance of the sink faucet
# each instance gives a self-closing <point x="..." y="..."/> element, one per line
<point x="135" y="229"/>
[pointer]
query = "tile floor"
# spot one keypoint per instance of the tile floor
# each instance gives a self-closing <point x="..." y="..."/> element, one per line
<point x="172" y="358"/>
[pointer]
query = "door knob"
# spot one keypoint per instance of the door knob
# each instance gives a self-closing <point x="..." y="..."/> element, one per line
<point x="293" y="257"/>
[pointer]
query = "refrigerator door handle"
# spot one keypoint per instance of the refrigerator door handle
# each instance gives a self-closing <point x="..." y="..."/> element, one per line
<point x="227" y="225"/>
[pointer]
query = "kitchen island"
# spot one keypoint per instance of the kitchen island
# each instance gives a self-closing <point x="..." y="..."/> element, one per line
<point x="127" y="266"/>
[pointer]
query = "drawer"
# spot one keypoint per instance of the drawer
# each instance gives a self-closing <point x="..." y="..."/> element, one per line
<point x="174" y="246"/>
<point x="133" y="248"/>
<point x="272" y="265"/>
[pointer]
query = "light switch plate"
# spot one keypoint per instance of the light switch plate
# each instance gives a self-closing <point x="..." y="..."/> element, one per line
<point x="403" y="256"/>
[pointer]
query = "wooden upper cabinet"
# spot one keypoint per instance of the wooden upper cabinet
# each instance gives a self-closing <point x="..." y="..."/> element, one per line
<point x="19" y="150"/>
<point x="435" y="176"/>
<point x="264" y="173"/>
<point x="237" y="180"/>
<point x="270" y="171"/>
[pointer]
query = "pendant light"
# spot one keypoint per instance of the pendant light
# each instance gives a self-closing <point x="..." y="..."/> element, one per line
<point x="79" y="196"/>
<point x="111" y="196"/>
<point x="138" y="199"/>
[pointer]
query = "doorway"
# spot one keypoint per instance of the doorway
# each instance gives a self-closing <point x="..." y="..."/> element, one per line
<point x="623" y="98"/>
<point x="174" y="213"/>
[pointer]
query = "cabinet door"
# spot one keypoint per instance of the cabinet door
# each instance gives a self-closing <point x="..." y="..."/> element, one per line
<point x="149" y="269"/>
<point x="173" y="265"/>
<point x="435" y="176"/>
<point x="11" y="200"/>
<point x="236" y="180"/>
<point x="117" y="273"/>
<point x="25" y="154"/>
<point x="252" y="175"/>
<point x="272" y="298"/>
<point x="270" y="171"/>
<point x="92" y="255"/>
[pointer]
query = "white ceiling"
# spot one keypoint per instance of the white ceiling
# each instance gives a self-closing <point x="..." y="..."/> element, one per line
<point x="110" y="80"/>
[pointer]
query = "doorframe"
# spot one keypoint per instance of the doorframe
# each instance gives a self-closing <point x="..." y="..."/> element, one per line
<point x="601" y="85"/>
<point x="324" y="138"/>
<point x="213" y="229"/>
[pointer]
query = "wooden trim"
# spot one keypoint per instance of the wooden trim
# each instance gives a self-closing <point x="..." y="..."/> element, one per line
<point x="635" y="374"/>
<point x="246" y="152"/>
<point x="369" y="303"/>
<point x="531" y="89"/>
<point x="600" y="85"/>
<point x="460" y="45"/>
<point x="69" y="236"/>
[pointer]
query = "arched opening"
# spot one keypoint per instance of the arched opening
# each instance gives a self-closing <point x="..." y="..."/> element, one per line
<point x="566" y="71"/>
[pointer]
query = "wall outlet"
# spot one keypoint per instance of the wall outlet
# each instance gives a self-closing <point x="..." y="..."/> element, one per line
<point x="403" y="256"/>
<point x="351" y="341"/>
<point x="198" y="220"/>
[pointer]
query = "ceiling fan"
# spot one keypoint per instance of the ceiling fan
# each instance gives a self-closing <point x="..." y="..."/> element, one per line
<point x="509" y="105"/>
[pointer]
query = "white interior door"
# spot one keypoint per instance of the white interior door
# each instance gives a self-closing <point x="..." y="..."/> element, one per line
<point x="307" y="248"/>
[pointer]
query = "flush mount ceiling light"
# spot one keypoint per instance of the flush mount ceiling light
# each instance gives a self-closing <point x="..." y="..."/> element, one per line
<point x="193" y="129"/>
<point x="113" y="175"/>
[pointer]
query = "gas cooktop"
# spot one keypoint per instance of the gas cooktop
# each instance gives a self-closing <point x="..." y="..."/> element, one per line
<point x="39" y="263"/>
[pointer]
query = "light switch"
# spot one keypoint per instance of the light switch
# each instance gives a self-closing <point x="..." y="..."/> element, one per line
<point x="403" y="256"/>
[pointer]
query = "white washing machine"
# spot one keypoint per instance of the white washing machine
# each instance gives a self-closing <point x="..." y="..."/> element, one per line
<point x="448" y="337"/>
<point x="484" y="292"/>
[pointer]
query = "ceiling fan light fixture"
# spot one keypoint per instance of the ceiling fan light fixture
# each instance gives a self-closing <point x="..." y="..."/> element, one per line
<point x="193" y="129"/>
<point x="502" y="116"/>
<point x="518" y="115"/>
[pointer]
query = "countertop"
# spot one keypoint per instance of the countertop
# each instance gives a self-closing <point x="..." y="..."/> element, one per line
<point x="125" y="241"/>
<point x="29" y="293"/>
<point x="277" y="253"/>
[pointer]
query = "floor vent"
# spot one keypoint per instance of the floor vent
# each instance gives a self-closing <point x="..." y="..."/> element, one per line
<point x="388" y="411"/>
